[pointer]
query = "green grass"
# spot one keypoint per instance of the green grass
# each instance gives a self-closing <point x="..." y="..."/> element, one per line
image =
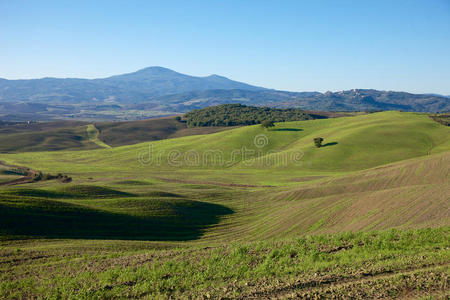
<point x="361" y="142"/>
<point x="93" y="212"/>
<point x="262" y="201"/>
<point x="254" y="227"/>
<point x="362" y="265"/>
<point x="93" y="135"/>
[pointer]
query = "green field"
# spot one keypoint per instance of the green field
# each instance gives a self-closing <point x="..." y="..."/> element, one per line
<point x="244" y="212"/>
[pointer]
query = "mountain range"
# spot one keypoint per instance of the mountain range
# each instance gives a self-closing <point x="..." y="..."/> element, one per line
<point x="134" y="87"/>
<point x="156" y="91"/>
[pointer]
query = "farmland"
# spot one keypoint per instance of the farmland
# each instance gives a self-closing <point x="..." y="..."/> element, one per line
<point x="244" y="212"/>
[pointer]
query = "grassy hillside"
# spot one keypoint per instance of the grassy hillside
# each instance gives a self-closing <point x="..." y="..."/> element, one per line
<point x="93" y="135"/>
<point x="410" y="194"/>
<point x="352" y="143"/>
<point x="7" y="174"/>
<point x="388" y="264"/>
<point x="328" y="189"/>
<point x="228" y="224"/>
<point x="133" y="132"/>
<point x="95" y="212"/>
<point x="45" y="136"/>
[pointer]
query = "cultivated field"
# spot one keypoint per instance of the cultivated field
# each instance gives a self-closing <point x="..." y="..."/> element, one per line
<point x="77" y="135"/>
<point x="245" y="212"/>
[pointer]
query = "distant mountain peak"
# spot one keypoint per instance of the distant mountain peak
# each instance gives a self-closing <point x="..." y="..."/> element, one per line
<point x="149" y="71"/>
<point x="155" y="69"/>
<point x="215" y="76"/>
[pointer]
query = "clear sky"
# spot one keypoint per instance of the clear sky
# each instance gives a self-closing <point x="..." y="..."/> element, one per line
<point x="287" y="45"/>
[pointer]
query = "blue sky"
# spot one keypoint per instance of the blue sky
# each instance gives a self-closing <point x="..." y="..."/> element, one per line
<point x="288" y="45"/>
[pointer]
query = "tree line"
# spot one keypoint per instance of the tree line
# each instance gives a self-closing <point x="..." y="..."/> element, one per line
<point x="238" y="114"/>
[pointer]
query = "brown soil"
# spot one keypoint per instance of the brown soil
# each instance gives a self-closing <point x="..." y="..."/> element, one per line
<point x="360" y="286"/>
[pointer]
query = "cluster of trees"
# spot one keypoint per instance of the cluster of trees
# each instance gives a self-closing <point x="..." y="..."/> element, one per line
<point x="41" y="176"/>
<point x="238" y="114"/>
<point x="444" y="119"/>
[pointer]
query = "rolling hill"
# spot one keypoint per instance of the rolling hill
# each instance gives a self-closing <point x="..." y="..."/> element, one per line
<point x="246" y="211"/>
<point x="133" y="132"/>
<point x="75" y="135"/>
<point x="366" y="160"/>
<point x="355" y="143"/>
<point x="378" y="171"/>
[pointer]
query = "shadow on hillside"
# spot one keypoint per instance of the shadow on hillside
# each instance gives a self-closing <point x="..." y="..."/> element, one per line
<point x="330" y="144"/>
<point x="72" y="192"/>
<point x="165" y="220"/>
<point x="286" y="129"/>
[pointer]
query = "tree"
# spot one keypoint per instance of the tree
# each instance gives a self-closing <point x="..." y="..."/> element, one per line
<point x="267" y="124"/>
<point x="178" y="118"/>
<point x="318" y="142"/>
<point x="239" y="114"/>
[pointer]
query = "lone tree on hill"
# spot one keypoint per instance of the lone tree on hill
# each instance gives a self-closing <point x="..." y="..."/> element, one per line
<point x="318" y="142"/>
<point x="267" y="124"/>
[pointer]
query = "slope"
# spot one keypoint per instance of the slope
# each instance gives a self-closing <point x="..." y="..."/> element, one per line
<point x="408" y="194"/>
<point x="74" y="135"/>
<point x="351" y="143"/>
<point x="49" y="136"/>
<point x="396" y="176"/>
<point x="133" y="132"/>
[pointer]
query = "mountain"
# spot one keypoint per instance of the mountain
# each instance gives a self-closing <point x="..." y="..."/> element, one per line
<point x="351" y="100"/>
<point x="157" y="91"/>
<point x="127" y="88"/>
<point x="200" y="99"/>
<point x="369" y="99"/>
<point x="158" y="81"/>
